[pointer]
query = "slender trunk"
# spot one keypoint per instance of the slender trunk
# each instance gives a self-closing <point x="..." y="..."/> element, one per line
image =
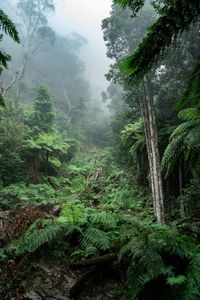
<point x="148" y="113"/>
<point x="144" y="112"/>
<point x="66" y="95"/>
<point x="168" y="199"/>
<point x="21" y="76"/>
<point x="35" y="169"/>
<point x="182" y="208"/>
<point x="47" y="161"/>
<point x="156" y="156"/>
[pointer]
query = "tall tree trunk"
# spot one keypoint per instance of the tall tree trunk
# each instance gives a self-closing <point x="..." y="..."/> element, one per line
<point x="148" y="113"/>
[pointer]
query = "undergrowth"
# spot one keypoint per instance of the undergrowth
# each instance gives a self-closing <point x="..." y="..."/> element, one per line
<point x="112" y="215"/>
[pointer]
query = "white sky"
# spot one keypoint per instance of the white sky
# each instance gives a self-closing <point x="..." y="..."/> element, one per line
<point x="84" y="17"/>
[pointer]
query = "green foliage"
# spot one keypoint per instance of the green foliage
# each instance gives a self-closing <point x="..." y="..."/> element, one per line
<point x="179" y="280"/>
<point x="190" y="197"/>
<point x="184" y="142"/>
<point x="73" y="213"/>
<point x="41" y="232"/>
<point x="133" y="136"/>
<point x="31" y="242"/>
<point x="43" y="115"/>
<point x="15" y="195"/>
<point x="174" y="19"/>
<point x="12" y="144"/>
<point x="94" y="237"/>
<point x="9" y="28"/>
<point x="152" y="250"/>
<point x="192" y="89"/>
<point x="104" y="219"/>
<point x="134" y="5"/>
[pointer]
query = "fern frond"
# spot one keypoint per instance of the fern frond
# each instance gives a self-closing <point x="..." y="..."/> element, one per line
<point x="183" y="128"/>
<point x="179" y="280"/>
<point x="189" y="114"/>
<point x="107" y="220"/>
<point x="97" y="238"/>
<point x="37" y="238"/>
<point x="171" y="153"/>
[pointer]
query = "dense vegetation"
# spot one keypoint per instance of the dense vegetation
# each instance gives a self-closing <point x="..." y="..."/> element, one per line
<point x="95" y="206"/>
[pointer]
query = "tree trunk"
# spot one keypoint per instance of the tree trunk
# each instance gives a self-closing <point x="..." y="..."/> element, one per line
<point x="180" y="175"/>
<point x="148" y="113"/>
<point x="46" y="162"/>
<point x="35" y="169"/>
<point x="21" y="76"/>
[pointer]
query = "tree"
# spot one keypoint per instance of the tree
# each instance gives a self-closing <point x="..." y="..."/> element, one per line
<point x="12" y="144"/>
<point x="36" y="35"/>
<point x="42" y="115"/>
<point x="44" y="151"/>
<point x="120" y="43"/>
<point x="174" y="17"/>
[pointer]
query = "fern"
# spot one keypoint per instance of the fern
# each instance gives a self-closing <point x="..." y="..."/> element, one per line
<point x="189" y="114"/>
<point x="35" y="238"/>
<point x="182" y="129"/>
<point x="179" y="280"/>
<point x="32" y="241"/>
<point x="104" y="219"/>
<point x="145" y="250"/>
<point x="97" y="238"/>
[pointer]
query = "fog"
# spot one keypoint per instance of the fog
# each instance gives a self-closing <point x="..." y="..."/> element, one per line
<point x="84" y="17"/>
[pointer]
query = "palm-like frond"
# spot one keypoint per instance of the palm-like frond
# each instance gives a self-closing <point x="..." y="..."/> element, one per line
<point x="8" y="27"/>
<point x="189" y="114"/>
<point x="184" y="142"/>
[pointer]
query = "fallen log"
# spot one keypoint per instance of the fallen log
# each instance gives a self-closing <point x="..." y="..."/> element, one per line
<point x="94" y="261"/>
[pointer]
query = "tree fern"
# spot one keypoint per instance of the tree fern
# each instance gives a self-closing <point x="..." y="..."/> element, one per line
<point x="184" y="142"/>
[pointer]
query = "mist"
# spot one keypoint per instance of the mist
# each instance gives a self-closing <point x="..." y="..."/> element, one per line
<point x="85" y="17"/>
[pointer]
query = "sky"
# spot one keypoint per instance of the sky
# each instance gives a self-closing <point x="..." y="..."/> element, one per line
<point x="84" y="17"/>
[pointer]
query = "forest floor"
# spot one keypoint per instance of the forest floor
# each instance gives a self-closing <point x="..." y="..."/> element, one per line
<point x="50" y="273"/>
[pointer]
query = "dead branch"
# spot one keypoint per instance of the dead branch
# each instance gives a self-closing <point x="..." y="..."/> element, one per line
<point x="93" y="166"/>
<point x="3" y="218"/>
<point x="52" y="183"/>
<point x="14" y="79"/>
<point x="188" y="219"/>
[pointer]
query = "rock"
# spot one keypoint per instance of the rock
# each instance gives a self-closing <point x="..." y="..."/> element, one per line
<point x="49" y="284"/>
